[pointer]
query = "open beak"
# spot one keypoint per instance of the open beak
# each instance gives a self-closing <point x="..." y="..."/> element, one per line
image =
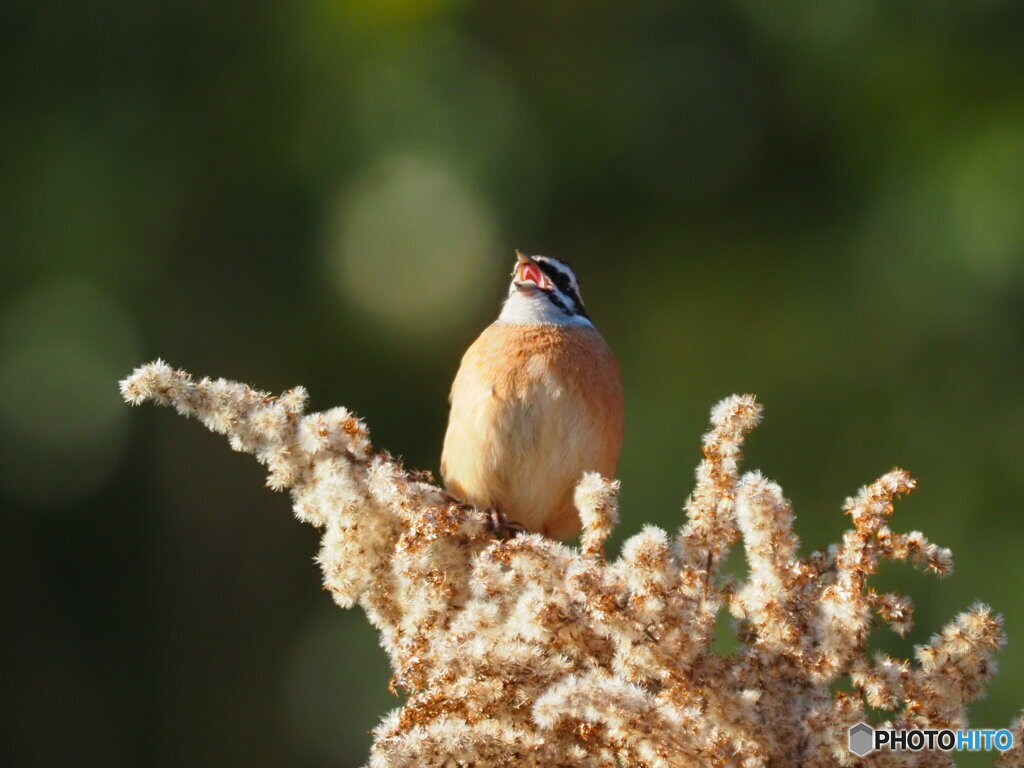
<point x="528" y="277"/>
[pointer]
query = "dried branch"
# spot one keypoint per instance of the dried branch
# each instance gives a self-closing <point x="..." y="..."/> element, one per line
<point x="528" y="652"/>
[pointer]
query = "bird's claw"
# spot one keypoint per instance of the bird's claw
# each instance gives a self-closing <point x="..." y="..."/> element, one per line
<point x="502" y="527"/>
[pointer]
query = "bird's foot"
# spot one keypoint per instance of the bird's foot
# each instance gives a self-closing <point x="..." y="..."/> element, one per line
<point x="501" y="526"/>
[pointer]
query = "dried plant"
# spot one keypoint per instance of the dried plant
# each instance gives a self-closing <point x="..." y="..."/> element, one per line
<point x="526" y="651"/>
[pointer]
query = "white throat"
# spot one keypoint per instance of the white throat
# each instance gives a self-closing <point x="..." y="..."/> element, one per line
<point x="535" y="309"/>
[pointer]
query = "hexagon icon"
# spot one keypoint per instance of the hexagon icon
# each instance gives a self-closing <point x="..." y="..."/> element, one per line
<point x="862" y="739"/>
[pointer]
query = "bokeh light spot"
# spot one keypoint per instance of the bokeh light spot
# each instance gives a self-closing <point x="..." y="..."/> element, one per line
<point x="62" y="350"/>
<point x="988" y="200"/>
<point x="410" y="245"/>
<point x="445" y="97"/>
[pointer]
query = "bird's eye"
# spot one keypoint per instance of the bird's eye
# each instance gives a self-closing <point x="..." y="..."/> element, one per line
<point x="532" y="273"/>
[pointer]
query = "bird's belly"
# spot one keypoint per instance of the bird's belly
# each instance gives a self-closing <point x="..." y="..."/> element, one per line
<point x="524" y="455"/>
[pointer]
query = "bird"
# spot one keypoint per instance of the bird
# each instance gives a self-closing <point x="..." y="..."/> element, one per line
<point x="536" y="402"/>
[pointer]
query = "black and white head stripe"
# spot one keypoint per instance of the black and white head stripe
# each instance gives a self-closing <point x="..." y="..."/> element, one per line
<point x="544" y="291"/>
<point x="566" y="295"/>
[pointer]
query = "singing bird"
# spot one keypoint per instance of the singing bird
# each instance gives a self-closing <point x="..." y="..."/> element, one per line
<point x="536" y="402"/>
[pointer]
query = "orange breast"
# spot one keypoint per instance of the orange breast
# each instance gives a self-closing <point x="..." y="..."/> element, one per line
<point x="533" y="407"/>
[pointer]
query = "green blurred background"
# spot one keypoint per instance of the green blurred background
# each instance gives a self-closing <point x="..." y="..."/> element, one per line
<point x="819" y="202"/>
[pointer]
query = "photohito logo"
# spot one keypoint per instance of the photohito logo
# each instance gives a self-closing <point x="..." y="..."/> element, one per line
<point x="864" y="739"/>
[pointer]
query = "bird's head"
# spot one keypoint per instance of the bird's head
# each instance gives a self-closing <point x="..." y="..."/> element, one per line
<point x="544" y="291"/>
